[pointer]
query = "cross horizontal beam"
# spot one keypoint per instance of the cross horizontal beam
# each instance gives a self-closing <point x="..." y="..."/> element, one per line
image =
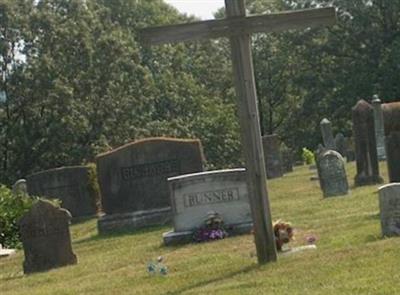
<point x="239" y="25"/>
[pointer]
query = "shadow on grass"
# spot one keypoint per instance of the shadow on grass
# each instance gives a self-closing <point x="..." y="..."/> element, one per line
<point x="12" y="277"/>
<point x="214" y="280"/>
<point x="79" y="220"/>
<point x="375" y="216"/>
<point x="373" y="238"/>
<point x="119" y="234"/>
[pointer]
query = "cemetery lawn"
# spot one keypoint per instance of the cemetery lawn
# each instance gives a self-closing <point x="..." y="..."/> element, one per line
<point x="351" y="258"/>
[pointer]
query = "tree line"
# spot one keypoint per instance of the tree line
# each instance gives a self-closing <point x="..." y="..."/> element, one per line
<point x="77" y="81"/>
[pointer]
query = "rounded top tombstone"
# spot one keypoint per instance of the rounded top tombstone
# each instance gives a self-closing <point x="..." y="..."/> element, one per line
<point x="332" y="174"/>
<point x="376" y="99"/>
<point x="325" y="121"/>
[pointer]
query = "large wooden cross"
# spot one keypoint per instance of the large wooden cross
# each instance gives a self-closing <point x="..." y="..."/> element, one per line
<point x="239" y="27"/>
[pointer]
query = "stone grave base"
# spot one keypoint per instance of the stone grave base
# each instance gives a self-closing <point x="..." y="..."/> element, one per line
<point x="6" y="252"/>
<point x="134" y="220"/>
<point x="175" y="238"/>
<point x="299" y="249"/>
<point x="361" y="180"/>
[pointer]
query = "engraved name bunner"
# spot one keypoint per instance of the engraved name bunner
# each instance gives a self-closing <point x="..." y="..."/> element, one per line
<point x="150" y="170"/>
<point x="211" y="197"/>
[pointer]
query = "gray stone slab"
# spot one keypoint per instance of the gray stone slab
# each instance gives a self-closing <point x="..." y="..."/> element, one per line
<point x="135" y="220"/>
<point x="365" y="145"/>
<point x="46" y="238"/>
<point x="193" y="196"/>
<point x="389" y="204"/>
<point x="6" y="252"/>
<point x="72" y="185"/>
<point x="272" y="156"/>
<point x="332" y="174"/>
<point x="133" y="180"/>
<point x="393" y="156"/>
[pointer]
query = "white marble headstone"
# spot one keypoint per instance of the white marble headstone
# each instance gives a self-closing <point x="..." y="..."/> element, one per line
<point x="223" y="191"/>
<point x="193" y="196"/>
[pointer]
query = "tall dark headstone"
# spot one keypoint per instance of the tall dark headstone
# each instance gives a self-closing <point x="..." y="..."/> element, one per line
<point x="350" y="151"/>
<point x="332" y="174"/>
<point x="287" y="160"/>
<point x="341" y="144"/>
<point x="393" y="156"/>
<point x="46" y="238"/>
<point x="272" y="156"/>
<point x="391" y="116"/>
<point x="365" y="144"/>
<point x="133" y="180"/>
<point x="72" y="185"/>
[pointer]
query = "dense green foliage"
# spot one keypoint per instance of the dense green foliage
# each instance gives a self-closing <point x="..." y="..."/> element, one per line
<point x="78" y="82"/>
<point x="12" y="208"/>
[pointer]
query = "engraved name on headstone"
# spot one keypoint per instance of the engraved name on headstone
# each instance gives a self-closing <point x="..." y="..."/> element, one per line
<point x="193" y="196"/>
<point x="133" y="180"/>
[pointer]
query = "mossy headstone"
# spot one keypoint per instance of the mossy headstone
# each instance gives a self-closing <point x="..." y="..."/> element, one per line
<point x="46" y="237"/>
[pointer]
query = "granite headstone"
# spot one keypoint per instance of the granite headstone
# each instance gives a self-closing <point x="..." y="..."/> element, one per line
<point x="393" y="156"/>
<point x="71" y="185"/>
<point x="389" y="204"/>
<point x="272" y="156"/>
<point x="341" y="144"/>
<point x="193" y="196"/>
<point x="365" y="144"/>
<point x="46" y="238"/>
<point x="332" y="174"/>
<point x="133" y="180"/>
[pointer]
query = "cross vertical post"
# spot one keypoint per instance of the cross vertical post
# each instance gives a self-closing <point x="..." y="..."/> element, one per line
<point x="238" y="27"/>
<point x="243" y="71"/>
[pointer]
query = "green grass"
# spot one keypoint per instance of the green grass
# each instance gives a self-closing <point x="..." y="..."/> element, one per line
<point x="352" y="257"/>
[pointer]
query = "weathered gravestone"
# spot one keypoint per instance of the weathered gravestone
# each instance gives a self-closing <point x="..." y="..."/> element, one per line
<point x="272" y="156"/>
<point x="133" y="180"/>
<point x="379" y="128"/>
<point x="287" y="161"/>
<point x="341" y="144"/>
<point x="327" y="134"/>
<point x="365" y="144"/>
<point x="46" y="238"/>
<point x="393" y="156"/>
<point x="332" y="174"/>
<point x="72" y="185"/>
<point x="391" y="116"/>
<point x="20" y="188"/>
<point x="193" y="196"/>
<point x="350" y="151"/>
<point x="389" y="204"/>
